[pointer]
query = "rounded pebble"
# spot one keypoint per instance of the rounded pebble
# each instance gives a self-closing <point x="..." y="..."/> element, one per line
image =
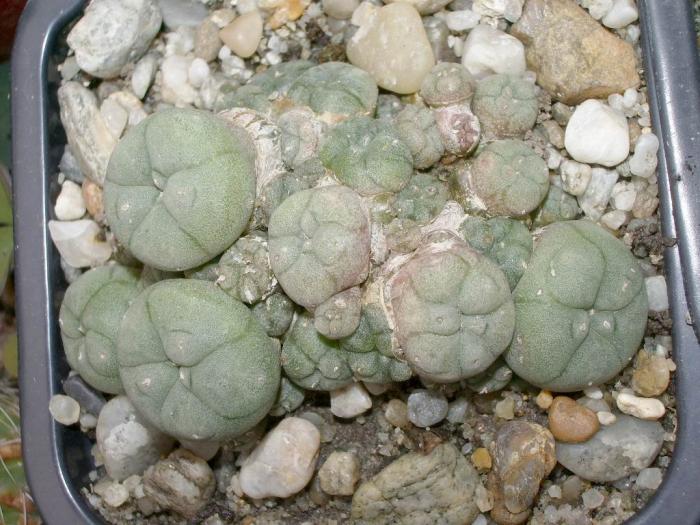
<point x="649" y="478"/>
<point x="339" y="474"/>
<point x="427" y="408"/>
<point x="597" y="134"/>
<point x="64" y="409"/>
<point x="651" y="374"/>
<point x="481" y="459"/>
<point x="69" y="203"/>
<point x="641" y="407"/>
<point x="544" y="399"/>
<point x="243" y="35"/>
<point x="350" y="401"/>
<point x="487" y="50"/>
<point x="593" y="499"/>
<point x="570" y="421"/>
<point x="396" y="413"/>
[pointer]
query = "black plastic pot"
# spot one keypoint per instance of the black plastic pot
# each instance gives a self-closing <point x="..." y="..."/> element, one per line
<point x="57" y="458"/>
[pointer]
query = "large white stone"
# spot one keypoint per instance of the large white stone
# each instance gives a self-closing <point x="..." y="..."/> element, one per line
<point x="350" y="401"/>
<point x="113" y="33"/>
<point x="89" y="137"/>
<point x="70" y="204"/>
<point x="127" y="443"/>
<point x="392" y="46"/>
<point x="284" y="461"/>
<point x="487" y="50"/>
<point x="77" y="242"/>
<point x="597" y="134"/>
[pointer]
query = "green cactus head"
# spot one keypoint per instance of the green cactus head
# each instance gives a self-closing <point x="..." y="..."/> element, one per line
<point x="506" y="106"/>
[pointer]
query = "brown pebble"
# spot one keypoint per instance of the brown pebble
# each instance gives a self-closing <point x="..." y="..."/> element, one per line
<point x="92" y="195"/>
<point x="481" y="459"/>
<point x="651" y="374"/>
<point x="396" y="413"/>
<point x="207" y="42"/>
<point x="544" y="399"/>
<point x="570" y="421"/>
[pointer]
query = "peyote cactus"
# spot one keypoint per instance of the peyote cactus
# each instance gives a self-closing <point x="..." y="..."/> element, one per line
<point x="180" y="188"/>
<point x="301" y="136"/>
<point x="319" y="243"/>
<point x="447" y="83"/>
<point x="367" y="155"/>
<point x="89" y="319"/>
<point x="280" y="77"/>
<point x="335" y="90"/>
<point x="422" y="199"/>
<point x="195" y="362"/>
<point x="506" y="106"/>
<point x="506" y="178"/>
<point x="581" y="309"/>
<point x="311" y="360"/>
<point x="275" y="314"/>
<point x="289" y="398"/>
<point x="459" y="129"/>
<point x="247" y="96"/>
<point x="557" y="206"/>
<point x="339" y="315"/>
<point x="451" y="309"/>
<point x="305" y="176"/>
<point x="494" y="378"/>
<point x="416" y="127"/>
<point x="505" y="241"/>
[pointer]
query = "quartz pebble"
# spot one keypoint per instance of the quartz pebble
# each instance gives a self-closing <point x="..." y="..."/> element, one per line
<point x="597" y="8"/>
<point x="350" y="401"/>
<point x="657" y="293"/>
<point x="597" y="134"/>
<point x="616" y="451"/>
<point x="505" y="409"/>
<point x="508" y="9"/>
<point x="127" y="443"/>
<point x="243" y="35"/>
<point x="283" y="462"/>
<point x="178" y="13"/>
<point x="176" y="89"/>
<point x="392" y="46"/>
<point x="69" y="203"/>
<point x="427" y="408"/>
<point x="649" y="478"/>
<point x="424" y="7"/>
<point x="115" y="495"/>
<point x="487" y="50"/>
<point x="606" y="418"/>
<point x="593" y="392"/>
<point x="143" y="75"/>
<point x="574" y="57"/>
<point x="622" y="14"/>
<point x="340" y="9"/>
<point x="182" y="482"/>
<point x="87" y="134"/>
<point x="93" y="198"/>
<point x="574" y="177"/>
<point x="640" y="407"/>
<point x="339" y="474"/>
<point x="115" y="117"/>
<point x="570" y="421"/>
<point x="644" y="161"/>
<point x="396" y="413"/>
<point x="462" y="20"/>
<point x="113" y="33"/>
<point x="544" y="399"/>
<point x="64" y="409"/>
<point x="592" y="498"/>
<point x="78" y="244"/>
<point x="595" y="199"/>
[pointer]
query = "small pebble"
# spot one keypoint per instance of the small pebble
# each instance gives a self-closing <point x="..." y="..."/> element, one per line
<point x="570" y="421"/>
<point x="640" y="407"/>
<point x="377" y="389"/>
<point x="593" y="499"/>
<point x="649" y="478"/>
<point x="78" y="242"/>
<point x="505" y="409"/>
<point x="339" y="474"/>
<point x="427" y="408"/>
<point x="483" y="498"/>
<point x="651" y="374"/>
<point x="89" y="399"/>
<point x="594" y="392"/>
<point x="115" y="117"/>
<point x="65" y="410"/>
<point x="480" y="520"/>
<point x="115" y="495"/>
<point x="69" y="203"/>
<point x="571" y="489"/>
<point x="597" y="134"/>
<point x="622" y="14"/>
<point x="606" y="418"/>
<point x="481" y="459"/>
<point x="206" y="41"/>
<point x="283" y="463"/>
<point x="487" y="50"/>
<point x="614" y="219"/>
<point x="88" y="421"/>
<point x="143" y="75"/>
<point x="554" y="492"/>
<point x="657" y="293"/>
<point x="462" y="20"/>
<point x="243" y="35"/>
<point x="644" y="161"/>
<point x="457" y="410"/>
<point x="595" y="199"/>
<point x="340" y="9"/>
<point x="350" y="401"/>
<point x="396" y="413"/>
<point x="544" y="399"/>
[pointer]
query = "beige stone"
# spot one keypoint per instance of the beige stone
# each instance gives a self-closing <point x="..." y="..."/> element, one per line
<point x="392" y="46"/>
<point x="339" y="474"/>
<point x="481" y="459"/>
<point x="570" y="421"/>
<point x="574" y="56"/>
<point x="243" y="35"/>
<point x="651" y="374"/>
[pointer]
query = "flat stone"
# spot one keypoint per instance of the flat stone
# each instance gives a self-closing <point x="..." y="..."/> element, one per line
<point x="616" y="451"/>
<point x="574" y="57"/>
<point x="641" y="407"/>
<point x="427" y="407"/>
<point x="88" y="136"/>
<point x="437" y="487"/>
<point x="113" y="33"/>
<point x="339" y="474"/>
<point x="283" y="462"/>
<point x="392" y="46"/>
<point x="127" y="443"/>
<point x="182" y="482"/>
<point x="350" y="401"/>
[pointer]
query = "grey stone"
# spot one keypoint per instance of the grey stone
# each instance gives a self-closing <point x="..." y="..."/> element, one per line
<point x="178" y="13"/>
<point x="89" y="399"/>
<point x="427" y="408"/>
<point x="616" y="451"/>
